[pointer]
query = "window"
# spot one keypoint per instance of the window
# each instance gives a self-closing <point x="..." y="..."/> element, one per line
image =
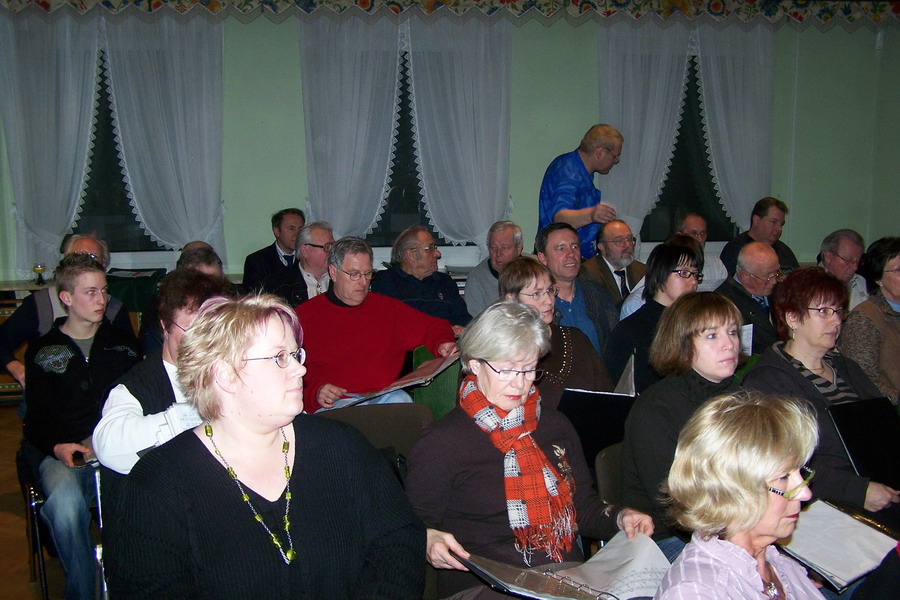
<point x="106" y="210"/>
<point x="405" y="206"/>
<point x="689" y="186"/>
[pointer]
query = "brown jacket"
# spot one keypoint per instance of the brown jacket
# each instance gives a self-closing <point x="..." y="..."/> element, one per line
<point x="596" y="269"/>
<point x="871" y="337"/>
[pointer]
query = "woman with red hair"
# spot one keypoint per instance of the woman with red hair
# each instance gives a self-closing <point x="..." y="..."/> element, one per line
<point x="809" y="308"/>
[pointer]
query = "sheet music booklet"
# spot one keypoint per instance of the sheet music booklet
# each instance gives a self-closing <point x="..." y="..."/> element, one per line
<point x="622" y="570"/>
<point x="424" y="375"/>
<point x="838" y="546"/>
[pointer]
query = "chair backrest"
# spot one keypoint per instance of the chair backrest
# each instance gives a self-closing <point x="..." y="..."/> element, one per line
<point x="440" y="395"/>
<point x="396" y="426"/>
<point x="608" y="465"/>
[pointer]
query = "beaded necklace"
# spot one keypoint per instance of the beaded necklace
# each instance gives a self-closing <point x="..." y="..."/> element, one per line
<point x="565" y="369"/>
<point x="289" y="555"/>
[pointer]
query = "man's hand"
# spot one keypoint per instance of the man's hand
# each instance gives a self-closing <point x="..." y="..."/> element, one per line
<point x="438" y="545"/>
<point x="64" y="452"/>
<point x="446" y="349"/>
<point x="328" y="394"/>
<point x="631" y="522"/>
<point x="878" y="496"/>
<point x="602" y="213"/>
<point x="17" y="370"/>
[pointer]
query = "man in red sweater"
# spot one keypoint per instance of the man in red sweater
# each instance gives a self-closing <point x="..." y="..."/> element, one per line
<point x="356" y="340"/>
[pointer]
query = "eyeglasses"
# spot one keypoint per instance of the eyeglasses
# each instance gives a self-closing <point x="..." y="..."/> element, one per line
<point x="356" y="275"/>
<point x="776" y="276"/>
<point x="179" y="326"/>
<point x="613" y="154"/>
<point x="897" y="270"/>
<point x="283" y="358"/>
<point x="792" y="493"/>
<point x="551" y="291"/>
<point x="685" y="274"/>
<point x="621" y="241"/>
<point x="851" y="262"/>
<point x="431" y="248"/>
<point x="826" y="311"/>
<point x="325" y="247"/>
<point x="510" y="374"/>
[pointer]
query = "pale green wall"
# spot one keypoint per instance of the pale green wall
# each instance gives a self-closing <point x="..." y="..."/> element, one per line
<point x="264" y="154"/>
<point x="823" y="161"/>
<point x="885" y="210"/>
<point x="552" y="107"/>
<point x="837" y="167"/>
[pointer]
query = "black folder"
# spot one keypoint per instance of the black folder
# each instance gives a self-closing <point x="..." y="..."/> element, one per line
<point x="598" y="418"/>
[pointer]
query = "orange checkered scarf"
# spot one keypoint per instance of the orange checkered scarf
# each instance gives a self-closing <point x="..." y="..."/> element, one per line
<point x="538" y="501"/>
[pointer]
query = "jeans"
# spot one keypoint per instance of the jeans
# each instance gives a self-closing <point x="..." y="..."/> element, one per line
<point x="395" y="397"/>
<point x="69" y="494"/>
<point x="671" y="547"/>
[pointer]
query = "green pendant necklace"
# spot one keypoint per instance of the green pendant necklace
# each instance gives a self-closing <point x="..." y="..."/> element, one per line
<point x="288" y="555"/>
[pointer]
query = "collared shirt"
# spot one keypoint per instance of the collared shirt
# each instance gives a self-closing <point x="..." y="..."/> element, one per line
<point x="716" y="569"/>
<point x="574" y="314"/>
<point x="567" y="185"/>
<point x="314" y="286"/>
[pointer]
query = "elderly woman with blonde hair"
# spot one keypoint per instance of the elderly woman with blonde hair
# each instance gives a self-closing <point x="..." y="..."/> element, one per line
<point x="260" y="501"/>
<point x="737" y="482"/>
<point x="499" y="477"/>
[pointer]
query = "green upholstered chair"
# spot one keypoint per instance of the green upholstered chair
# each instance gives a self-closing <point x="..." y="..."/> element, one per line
<point x="439" y="395"/>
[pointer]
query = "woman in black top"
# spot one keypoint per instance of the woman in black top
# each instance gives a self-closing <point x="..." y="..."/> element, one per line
<point x="696" y="348"/>
<point x="809" y="307"/>
<point x="672" y="271"/>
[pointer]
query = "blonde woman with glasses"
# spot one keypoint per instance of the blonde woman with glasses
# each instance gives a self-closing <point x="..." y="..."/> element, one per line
<point x="737" y="482"/>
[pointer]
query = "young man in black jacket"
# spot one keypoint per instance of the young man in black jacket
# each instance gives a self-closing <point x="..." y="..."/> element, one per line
<point x="68" y="373"/>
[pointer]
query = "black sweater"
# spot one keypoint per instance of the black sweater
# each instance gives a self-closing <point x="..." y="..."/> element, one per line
<point x="184" y="532"/>
<point x="651" y="435"/>
<point x="455" y="484"/>
<point x="835" y="478"/>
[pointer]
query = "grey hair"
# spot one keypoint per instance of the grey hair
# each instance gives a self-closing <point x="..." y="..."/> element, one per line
<point x="405" y="241"/>
<point x="347" y="245"/>
<point x="305" y="235"/>
<point x="70" y="243"/>
<point x="500" y="226"/>
<point x="503" y="331"/>
<point x="832" y="240"/>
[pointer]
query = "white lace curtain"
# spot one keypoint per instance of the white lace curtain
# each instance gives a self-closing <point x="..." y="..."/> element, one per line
<point x="349" y="79"/>
<point x="166" y="82"/>
<point x="737" y="66"/>
<point x="642" y="77"/>
<point x="460" y="85"/>
<point x="48" y="69"/>
<point x="461" y="77"/>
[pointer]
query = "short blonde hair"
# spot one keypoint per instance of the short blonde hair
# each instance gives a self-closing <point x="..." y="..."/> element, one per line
<point x="218" y="338"/>
<point x="503" y="331"/>
<point x="727" y="451"/>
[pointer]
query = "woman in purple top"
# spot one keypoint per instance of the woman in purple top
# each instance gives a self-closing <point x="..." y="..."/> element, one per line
<point x="737" y="482"/>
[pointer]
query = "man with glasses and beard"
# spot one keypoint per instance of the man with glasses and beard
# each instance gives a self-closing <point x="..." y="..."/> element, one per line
<point x="614" y="266"/>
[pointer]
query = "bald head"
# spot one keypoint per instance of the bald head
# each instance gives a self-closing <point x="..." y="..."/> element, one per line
<point x="757" y="268"/>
